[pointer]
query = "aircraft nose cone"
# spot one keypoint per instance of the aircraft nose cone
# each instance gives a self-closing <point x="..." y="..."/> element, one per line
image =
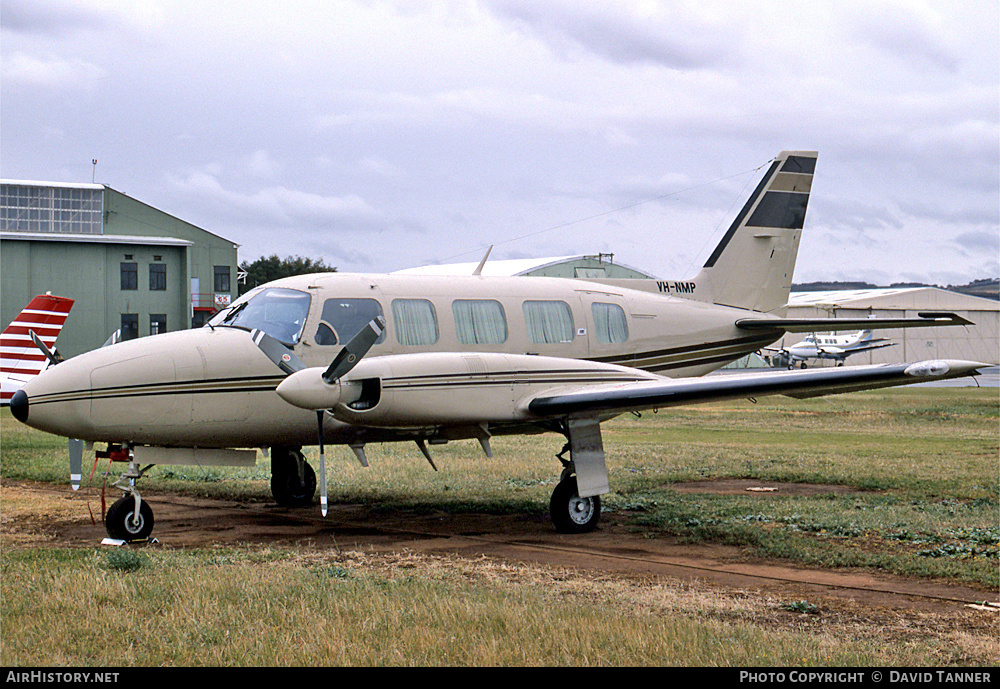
<point x="19" y="406"/>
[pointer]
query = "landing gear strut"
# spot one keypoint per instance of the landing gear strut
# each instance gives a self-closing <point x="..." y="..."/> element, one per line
<point x="570" y="513"/>
<point x="293" y="481"/>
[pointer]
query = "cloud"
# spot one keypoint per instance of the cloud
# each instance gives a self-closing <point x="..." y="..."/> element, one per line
<point x="985" y="242"/>
<point x="277" y="206"/>
<point x="669" y="35"/>
<point x="50" y="72"/>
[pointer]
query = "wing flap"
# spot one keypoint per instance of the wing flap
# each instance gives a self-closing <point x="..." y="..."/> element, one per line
<point x="637" y="396"/>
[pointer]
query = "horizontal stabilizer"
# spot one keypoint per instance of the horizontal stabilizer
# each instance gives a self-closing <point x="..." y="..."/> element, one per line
<point x="808" y="325"/>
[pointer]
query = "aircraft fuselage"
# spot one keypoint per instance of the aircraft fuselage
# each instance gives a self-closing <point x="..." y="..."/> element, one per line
<point x="213" y="387"/>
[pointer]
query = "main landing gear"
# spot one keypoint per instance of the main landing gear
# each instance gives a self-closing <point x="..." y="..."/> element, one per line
<point x="293" y="480"/>
<point x="570" y="513"/>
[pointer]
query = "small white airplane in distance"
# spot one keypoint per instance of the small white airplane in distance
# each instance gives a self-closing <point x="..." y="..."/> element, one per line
<point x="27" y="345"/>
<point x="335" y="358"/>
<point x="827" y="346"/>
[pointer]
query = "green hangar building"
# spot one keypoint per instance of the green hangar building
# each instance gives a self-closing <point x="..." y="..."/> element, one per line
<point x="127" y="265"/>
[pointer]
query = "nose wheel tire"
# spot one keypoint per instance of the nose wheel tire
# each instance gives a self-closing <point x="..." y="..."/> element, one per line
<point x="570" y="513"/>
<point x="121" y="522"/>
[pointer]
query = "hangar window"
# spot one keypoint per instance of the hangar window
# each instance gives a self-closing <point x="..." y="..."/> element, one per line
<point x="342" y="319"/>
<point x="157" y="276"/>
<point x="610" y="325"/>
<point x="279" y="312"/>
<point x="479" y="321"/>
<point x="415" y="321"/>
<point x="221" y="274"/>
<point x="548" y="322"/>
<point x="130" y="326"/>
<point x="157" y="323"/>
<point x="130" y="275"/>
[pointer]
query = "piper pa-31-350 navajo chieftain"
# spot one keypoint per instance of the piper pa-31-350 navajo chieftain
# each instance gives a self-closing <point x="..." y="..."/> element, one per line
<point x="354" y="359"/>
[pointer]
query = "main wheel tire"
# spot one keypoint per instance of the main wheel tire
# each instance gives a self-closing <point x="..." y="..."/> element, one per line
<point x="287" y="487"/>
<point x="570" y="513"/>
<point x="121" y="524"/>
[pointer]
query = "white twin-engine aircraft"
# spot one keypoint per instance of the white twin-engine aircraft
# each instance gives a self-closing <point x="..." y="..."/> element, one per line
<point x="828" y="346"/>
<point x="355" y="359"/>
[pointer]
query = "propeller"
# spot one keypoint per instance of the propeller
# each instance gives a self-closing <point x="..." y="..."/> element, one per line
<point x="346" y="359"/>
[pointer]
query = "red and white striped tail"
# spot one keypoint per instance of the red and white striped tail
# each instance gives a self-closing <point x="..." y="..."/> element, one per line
<point x="20" y="359"/>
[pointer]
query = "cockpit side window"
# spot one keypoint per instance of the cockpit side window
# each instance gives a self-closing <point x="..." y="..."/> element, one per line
<point x="278" y="311"/>
<point x="342" y="319"/>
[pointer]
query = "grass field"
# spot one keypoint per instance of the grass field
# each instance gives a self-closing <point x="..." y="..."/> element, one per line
<point x="922" y="463"/>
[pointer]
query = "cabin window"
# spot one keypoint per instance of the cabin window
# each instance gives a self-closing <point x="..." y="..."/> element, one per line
<point x="479" y="321"/>
<point x="416" y="321"/>
<point x="342" y="319"/>
<point x="278" y="311"/>
<point x="548" y="322"/>
<point x="609" y="323"/>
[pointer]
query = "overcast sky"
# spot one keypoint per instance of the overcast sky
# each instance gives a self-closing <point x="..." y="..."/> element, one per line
<point x="380" y="135"/>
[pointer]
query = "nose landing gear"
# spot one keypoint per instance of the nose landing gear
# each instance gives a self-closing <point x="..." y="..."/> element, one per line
<point x="129" y="518"/>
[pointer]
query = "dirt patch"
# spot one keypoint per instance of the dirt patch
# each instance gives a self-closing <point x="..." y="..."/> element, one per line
<point x="40" y="513"/>
<point x="761" y="488"/>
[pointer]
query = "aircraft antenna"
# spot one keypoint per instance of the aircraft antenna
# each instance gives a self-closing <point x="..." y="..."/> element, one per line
<point x="479" y="269"/>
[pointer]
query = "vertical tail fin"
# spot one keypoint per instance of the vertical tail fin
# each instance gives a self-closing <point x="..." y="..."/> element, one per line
<point x="752" y="266"/>
<point x="20" y="359"/>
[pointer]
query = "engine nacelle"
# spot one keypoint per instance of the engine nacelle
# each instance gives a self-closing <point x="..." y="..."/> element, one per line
<point x="446" y="388"/>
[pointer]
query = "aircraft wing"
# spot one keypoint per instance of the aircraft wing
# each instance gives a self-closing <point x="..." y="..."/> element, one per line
<point x="807" y="325"/>
<point x="868" y="346"/>
<point x="655" y="394"/>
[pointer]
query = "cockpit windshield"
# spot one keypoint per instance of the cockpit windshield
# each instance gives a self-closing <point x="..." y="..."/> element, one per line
<point x="278" y="311"/>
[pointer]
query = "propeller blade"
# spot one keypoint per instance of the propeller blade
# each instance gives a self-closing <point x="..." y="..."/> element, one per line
<point x="322" y="464"/>
<point x="352" y="353"/>
<point x="75" y="463"/>
<point x="277" y="352"/>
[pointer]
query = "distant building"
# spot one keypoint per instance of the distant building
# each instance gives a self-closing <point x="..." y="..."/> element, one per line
<point x="128" y="265"/>
<point x="978" y="342"/>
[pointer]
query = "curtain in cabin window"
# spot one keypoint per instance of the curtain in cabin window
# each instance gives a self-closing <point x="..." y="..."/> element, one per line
<point x="609" y="322"/>
<point x="479" y="321"/>
<point x="416" y="322"/>
<point x="548" y="322"/>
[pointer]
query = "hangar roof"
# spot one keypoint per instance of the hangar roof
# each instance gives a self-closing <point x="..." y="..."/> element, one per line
<point x="519" y="266"/>
<point x="893" y="297"/>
